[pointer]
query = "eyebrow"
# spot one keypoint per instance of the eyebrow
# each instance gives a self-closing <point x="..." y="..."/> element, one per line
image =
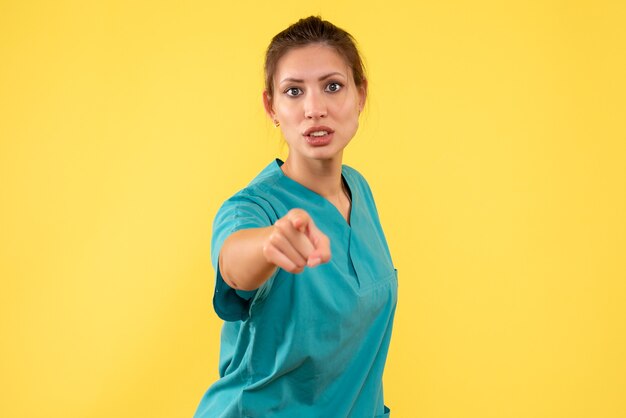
<point x="322" y="78"/>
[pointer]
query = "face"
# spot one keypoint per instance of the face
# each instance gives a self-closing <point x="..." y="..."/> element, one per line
<point x="316" y="102"/>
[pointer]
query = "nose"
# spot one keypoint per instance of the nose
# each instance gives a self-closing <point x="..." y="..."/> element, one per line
<point x="315" y="106"/>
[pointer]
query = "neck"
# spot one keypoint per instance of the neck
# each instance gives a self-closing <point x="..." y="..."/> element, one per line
<point x="321" y="176"/>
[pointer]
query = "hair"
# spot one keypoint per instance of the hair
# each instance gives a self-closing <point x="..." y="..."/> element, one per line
<point x="313" y="30"/>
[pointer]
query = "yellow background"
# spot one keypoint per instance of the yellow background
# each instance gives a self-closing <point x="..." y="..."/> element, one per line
<point x="494" y="141"/>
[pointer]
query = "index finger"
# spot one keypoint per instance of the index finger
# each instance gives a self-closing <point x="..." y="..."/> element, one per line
<point x="321" y="243"/>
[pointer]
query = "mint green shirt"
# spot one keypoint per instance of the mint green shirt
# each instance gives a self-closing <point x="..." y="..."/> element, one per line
<point x="312" y="344"/>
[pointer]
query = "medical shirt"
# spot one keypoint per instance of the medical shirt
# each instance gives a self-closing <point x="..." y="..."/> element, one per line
<point x="312" y="344"/>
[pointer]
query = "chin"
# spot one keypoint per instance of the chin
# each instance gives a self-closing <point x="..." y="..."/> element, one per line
<point x="326" y="154"/>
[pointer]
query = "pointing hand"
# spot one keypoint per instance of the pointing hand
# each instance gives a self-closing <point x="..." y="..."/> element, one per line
<point x="295" y="242"/>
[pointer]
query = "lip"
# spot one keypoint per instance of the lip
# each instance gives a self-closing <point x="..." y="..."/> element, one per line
<point x="319" y="141"/>
<point x="318" y="128"/>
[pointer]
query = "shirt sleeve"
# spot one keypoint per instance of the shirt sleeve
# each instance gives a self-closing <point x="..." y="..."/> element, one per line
<point x="237" y="213"/>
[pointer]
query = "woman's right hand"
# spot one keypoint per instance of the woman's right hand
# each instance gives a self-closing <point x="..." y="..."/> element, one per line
<point x="250" y="256"/>
<point x="294" y="242"/>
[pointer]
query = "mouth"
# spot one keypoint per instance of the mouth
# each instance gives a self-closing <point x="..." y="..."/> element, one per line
<point x="318" y="136"/>
<point x="318" y="132"/>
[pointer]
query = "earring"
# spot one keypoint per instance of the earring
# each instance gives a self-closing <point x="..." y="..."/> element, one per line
<point x="276" y="123"/>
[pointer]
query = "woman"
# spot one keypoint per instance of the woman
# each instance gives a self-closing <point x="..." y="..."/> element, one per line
<point x="305" y="281"/>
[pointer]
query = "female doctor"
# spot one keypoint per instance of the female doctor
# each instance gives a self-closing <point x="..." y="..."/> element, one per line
<point x="304" y="278"/>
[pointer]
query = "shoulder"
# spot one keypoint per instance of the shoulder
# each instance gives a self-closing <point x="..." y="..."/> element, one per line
<point x="256" y="197"/>
<point x="356" y="180"/>
<point x="268" y="177"/>
<point x="352" y="172"/>
<point x="264" y="185"/>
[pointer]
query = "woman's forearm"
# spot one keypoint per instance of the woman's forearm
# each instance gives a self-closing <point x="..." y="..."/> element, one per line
<point x="242" y="263"/>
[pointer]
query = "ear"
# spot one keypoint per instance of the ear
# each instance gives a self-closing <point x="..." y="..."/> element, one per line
<point x="362" y="95"/>
<point x="267" y="104"/>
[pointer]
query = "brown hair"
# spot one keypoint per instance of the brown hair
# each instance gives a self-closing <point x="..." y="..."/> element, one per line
<point x="310" y="31"/>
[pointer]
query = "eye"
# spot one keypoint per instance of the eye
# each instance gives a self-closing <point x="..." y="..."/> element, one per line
<point x="293" y="91"/>
<point x="334" y="87"/>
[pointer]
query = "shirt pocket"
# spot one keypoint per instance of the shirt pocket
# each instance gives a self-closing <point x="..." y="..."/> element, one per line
<point x="383" y="281"/>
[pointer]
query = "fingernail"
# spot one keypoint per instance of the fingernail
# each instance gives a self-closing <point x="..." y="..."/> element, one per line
<point x="314" y="262"/>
